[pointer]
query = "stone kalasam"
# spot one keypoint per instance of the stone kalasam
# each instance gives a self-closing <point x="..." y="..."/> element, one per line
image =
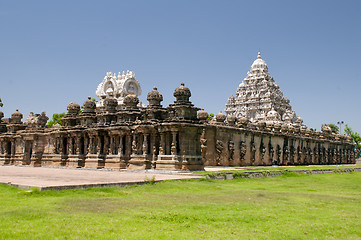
<point x="119" y="132"/>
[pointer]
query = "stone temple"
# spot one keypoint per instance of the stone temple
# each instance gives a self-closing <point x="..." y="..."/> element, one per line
<point x="259" y="98"/>
<point x="119" y="132"/>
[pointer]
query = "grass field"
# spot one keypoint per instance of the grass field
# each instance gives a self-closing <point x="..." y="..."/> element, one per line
<point x="278" y="168"/>
<point x="289" y="207"/>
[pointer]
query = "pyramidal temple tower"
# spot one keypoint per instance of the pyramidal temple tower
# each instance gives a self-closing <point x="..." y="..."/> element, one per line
<point x="259" y="98"/>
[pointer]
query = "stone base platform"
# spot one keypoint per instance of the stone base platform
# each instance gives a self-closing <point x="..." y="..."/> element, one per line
<point x="47" y="178"/>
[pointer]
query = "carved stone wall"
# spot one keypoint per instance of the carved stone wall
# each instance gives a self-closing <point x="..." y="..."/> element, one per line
<point x="255" y="147"/>
<point x="125" y="134"/>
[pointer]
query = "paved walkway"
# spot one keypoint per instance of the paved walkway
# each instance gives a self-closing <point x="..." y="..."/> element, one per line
<point x="67" y="178"/>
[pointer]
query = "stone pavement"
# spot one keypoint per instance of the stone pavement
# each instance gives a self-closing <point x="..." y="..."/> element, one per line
<point x="46" y="178"/>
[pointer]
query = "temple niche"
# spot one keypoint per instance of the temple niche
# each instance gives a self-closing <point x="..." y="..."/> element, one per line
<point x="259" y="98"/>
<point x="119" y="132"/>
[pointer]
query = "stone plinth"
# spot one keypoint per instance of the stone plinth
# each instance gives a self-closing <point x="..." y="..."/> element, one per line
<point x="140" y="162"/>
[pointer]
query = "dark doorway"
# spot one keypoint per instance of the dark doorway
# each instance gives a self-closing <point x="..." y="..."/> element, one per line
<point x="28" y="151"/>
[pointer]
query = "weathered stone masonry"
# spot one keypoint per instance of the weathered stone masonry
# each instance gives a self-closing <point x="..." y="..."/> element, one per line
<point x="120" y="132"/>
<point x="175" y="137"/>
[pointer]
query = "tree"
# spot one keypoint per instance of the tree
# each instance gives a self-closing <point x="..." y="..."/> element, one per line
<point x="355" y="138"/>
<point x="210" y="116"/>
<point x="56" y="119"/>
<point x="333" y="127"/>
<point x="1" y="103"/>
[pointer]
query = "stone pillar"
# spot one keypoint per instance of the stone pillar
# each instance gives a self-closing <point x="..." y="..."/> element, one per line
<point x="341" y="155"/>
<point x="153" y="149"/>
<point x="70" y="145"/>
<point x="128" y="140"/>
<point x="98" y="145"/>
<point x="112" y="145"/>
<point x="134" y="145"/>
<point x="77" y="145"/>
<point x="91" y="145"/>
<point x="174" y="143"/>
<point x="86" y="143"/>
<point x="106" y="145"/>
<point x="5" y="146"/>
<point x="56" y="149"/>
<point x="292" y="155"/>
<point x="162" y="144"/>
<point x="120" y="146"/>
<point x="145" y="144"/>
<point x="61" y="142"/>
<point x="13" y="147"/>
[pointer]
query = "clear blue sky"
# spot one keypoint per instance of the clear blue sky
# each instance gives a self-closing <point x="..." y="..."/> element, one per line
<point x="55" y="52"/>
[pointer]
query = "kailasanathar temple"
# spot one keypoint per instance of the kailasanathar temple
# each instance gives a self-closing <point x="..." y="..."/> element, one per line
<point x="120" y="132"/>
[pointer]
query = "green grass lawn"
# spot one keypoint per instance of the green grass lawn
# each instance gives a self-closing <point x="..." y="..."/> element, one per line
<point x="278" y="168"/>
<point x="326" y="206"/>
<point x="241" y="170"/>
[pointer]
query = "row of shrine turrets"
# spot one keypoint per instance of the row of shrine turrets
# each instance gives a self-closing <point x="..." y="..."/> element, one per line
<point x="181" y="110"/>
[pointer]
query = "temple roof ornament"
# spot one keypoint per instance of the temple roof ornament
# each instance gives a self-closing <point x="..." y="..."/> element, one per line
<point x="154" y="97"/>
<point x="202" y="115"/>
<point x="182" y="94"/>
<point x="89" y="106"/>
<point x="259" y="98"/>
<point x="110" y="104"/>
<point x="16" y="116"/>
<point x="259" y="65"/>
<point x="220" y="117"/>
<point x="118" y="87"/>
<point x="36" y="120"/>
<point x="73" y="108"/>
<point x="131" y="100"/>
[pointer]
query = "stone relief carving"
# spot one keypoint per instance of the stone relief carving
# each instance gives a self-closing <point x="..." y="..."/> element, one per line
<point x="262" y="151"/>
<point x="231" y="151"/>
<point x="335" y="155"/>
<point x="286" y="155"/>
<point x="315" y="155"/>
<point x="219" y="150"/>
<point x="278" y="154"/>
<point x="253" y="152"/>
<point x="134" y="145"/>
<point x="292" y="154"/>
<point x="299" y="154"/>
<point x="271" y="152"/>
<point x="242" y="150"/>
<point x="203" y="145"/>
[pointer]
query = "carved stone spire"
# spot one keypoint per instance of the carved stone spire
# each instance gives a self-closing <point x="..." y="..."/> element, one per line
<point x="259" y="98"/>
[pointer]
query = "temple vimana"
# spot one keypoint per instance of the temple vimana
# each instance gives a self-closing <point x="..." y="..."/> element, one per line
<point x="120" y="132"/>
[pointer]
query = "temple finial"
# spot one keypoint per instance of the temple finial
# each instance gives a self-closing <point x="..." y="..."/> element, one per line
<point x="259" y="55"/>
